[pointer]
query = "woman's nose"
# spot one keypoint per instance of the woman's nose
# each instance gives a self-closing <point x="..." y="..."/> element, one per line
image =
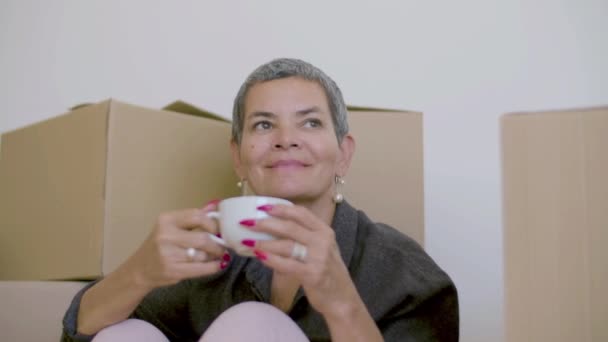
<point x="286" y="139"/>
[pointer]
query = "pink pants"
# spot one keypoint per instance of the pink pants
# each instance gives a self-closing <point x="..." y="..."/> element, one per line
<point x="250" y="321"/>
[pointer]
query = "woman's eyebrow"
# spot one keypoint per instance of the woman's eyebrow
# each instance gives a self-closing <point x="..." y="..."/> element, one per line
<point x="270" y="115"/>
<point x="303" y="112"/>
<point x="262" y="114"/>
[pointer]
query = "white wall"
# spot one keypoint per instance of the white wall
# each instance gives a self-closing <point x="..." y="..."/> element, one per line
<point x="462" y="63"/>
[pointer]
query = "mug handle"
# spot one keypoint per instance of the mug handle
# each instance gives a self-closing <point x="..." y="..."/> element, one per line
<point x="215" y="215"/>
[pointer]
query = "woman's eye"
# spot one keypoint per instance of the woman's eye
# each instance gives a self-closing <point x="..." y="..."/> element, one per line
<point x="313" y="123"/>
<point x="262" y="125"/>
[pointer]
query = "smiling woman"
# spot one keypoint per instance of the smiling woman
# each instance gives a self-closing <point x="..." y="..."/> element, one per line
<point x="330" y="274"/>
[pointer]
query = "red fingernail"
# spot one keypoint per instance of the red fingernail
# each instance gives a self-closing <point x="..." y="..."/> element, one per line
<point x="248" y="242"/>
<point x="265" y="207"/>
<point x="260" y="255"/>
<point x="218" y="235"/>
<point x="247" y="223"/>
<point x="223" y="265"/>
<point x="213" y="202"/>
<point x="226" y="257"/>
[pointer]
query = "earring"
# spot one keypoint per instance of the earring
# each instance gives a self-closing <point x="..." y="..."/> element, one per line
<point x="338" y="197"/>
<point x="242" y="184"/>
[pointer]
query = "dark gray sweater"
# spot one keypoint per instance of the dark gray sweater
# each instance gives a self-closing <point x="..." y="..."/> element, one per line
<point x="406" y="293"/>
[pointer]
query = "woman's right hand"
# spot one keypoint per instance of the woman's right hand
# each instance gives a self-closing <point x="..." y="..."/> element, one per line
<point x="163" y="260"/>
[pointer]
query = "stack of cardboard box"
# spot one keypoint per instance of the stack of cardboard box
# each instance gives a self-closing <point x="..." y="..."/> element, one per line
<point x="80" y="191"/>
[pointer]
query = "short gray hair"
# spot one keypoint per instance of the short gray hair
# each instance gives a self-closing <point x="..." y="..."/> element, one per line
<point x="284" y="68"/>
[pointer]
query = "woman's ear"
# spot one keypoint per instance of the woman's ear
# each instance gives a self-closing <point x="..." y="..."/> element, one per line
<point x="347" y="149"/>
<point x="236" y="158"/>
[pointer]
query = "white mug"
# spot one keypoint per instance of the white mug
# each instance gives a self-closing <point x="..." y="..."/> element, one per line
<point x="233" y="210"/>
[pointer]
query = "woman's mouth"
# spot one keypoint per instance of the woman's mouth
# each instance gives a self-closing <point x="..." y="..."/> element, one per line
<point x="287" y="163"/>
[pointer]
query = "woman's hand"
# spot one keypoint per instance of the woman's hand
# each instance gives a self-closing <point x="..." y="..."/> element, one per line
<point x="163" y="257"/>
<point x="161" y="260"/>
<point x="322" y="273"/>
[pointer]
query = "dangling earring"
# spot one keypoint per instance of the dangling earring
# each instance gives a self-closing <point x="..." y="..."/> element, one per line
<point x="338" y="197"/>
<point x="242" y="184"/>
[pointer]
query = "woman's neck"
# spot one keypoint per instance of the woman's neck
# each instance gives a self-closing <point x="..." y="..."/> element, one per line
<point x="323" y="208"/>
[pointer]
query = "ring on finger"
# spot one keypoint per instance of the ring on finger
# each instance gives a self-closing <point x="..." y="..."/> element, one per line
<point x="191" y="253"/>
<point x="299" y="252"/>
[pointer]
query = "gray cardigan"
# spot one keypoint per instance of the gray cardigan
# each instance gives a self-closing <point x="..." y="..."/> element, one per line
<point x="406" y="293"/>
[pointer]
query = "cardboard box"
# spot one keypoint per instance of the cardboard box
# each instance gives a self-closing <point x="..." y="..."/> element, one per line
<point x="39" y="304"/>
<point x="555" y="167"/>
<point x="386" y="178"/>
<point x="82" y="190"/>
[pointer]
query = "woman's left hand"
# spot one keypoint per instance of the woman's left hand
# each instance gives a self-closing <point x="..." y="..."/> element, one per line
<point x="322" y="273"/>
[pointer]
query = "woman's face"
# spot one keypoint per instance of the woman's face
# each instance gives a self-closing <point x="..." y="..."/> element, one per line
<point x="289" y="148"/>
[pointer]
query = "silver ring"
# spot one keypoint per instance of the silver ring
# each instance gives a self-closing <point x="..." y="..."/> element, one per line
<point x="299" y="252"/>
<point x="191" y="253"/>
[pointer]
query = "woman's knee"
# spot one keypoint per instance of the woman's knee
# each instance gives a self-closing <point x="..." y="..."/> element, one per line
<point x="130" y="330"/>
<point x="254" y="321"/>
<point x="254" y="310"/>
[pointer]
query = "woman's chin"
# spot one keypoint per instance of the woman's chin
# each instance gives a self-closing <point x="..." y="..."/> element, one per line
<point x="289" y="194"/>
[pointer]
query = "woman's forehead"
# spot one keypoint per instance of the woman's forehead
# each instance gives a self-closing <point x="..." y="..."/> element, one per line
<point x="286" y="96"/>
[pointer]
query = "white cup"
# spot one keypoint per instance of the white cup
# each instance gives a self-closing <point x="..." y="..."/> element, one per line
<point x="233" y="210"/>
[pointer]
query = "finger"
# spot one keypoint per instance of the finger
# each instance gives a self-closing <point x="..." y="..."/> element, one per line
<point x="282" y="229"/>
<point x="298" y="214"/>
<point x="210" y="222"/>
<point x="201" y="256"/>
<point x="211" y="205"/>
<point x="185" y="219"/>
<point x="282" y="248"/>
<point x="190" y="219"/>
<point x="194" y="255"/>
<point x="200" y="240"/>
<point x="282" y="264"/>
<point x="175" y="255"/>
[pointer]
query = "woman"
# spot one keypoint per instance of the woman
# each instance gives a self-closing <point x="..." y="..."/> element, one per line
<point x="331" y="274"/>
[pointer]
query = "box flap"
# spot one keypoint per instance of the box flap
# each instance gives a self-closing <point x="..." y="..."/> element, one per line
<point x="84" y="104"/>
<point x="351" y="108"/>
<point x="568" y="111"/>
<point x="183" y="107"/>
<point x="178" y="106"/>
